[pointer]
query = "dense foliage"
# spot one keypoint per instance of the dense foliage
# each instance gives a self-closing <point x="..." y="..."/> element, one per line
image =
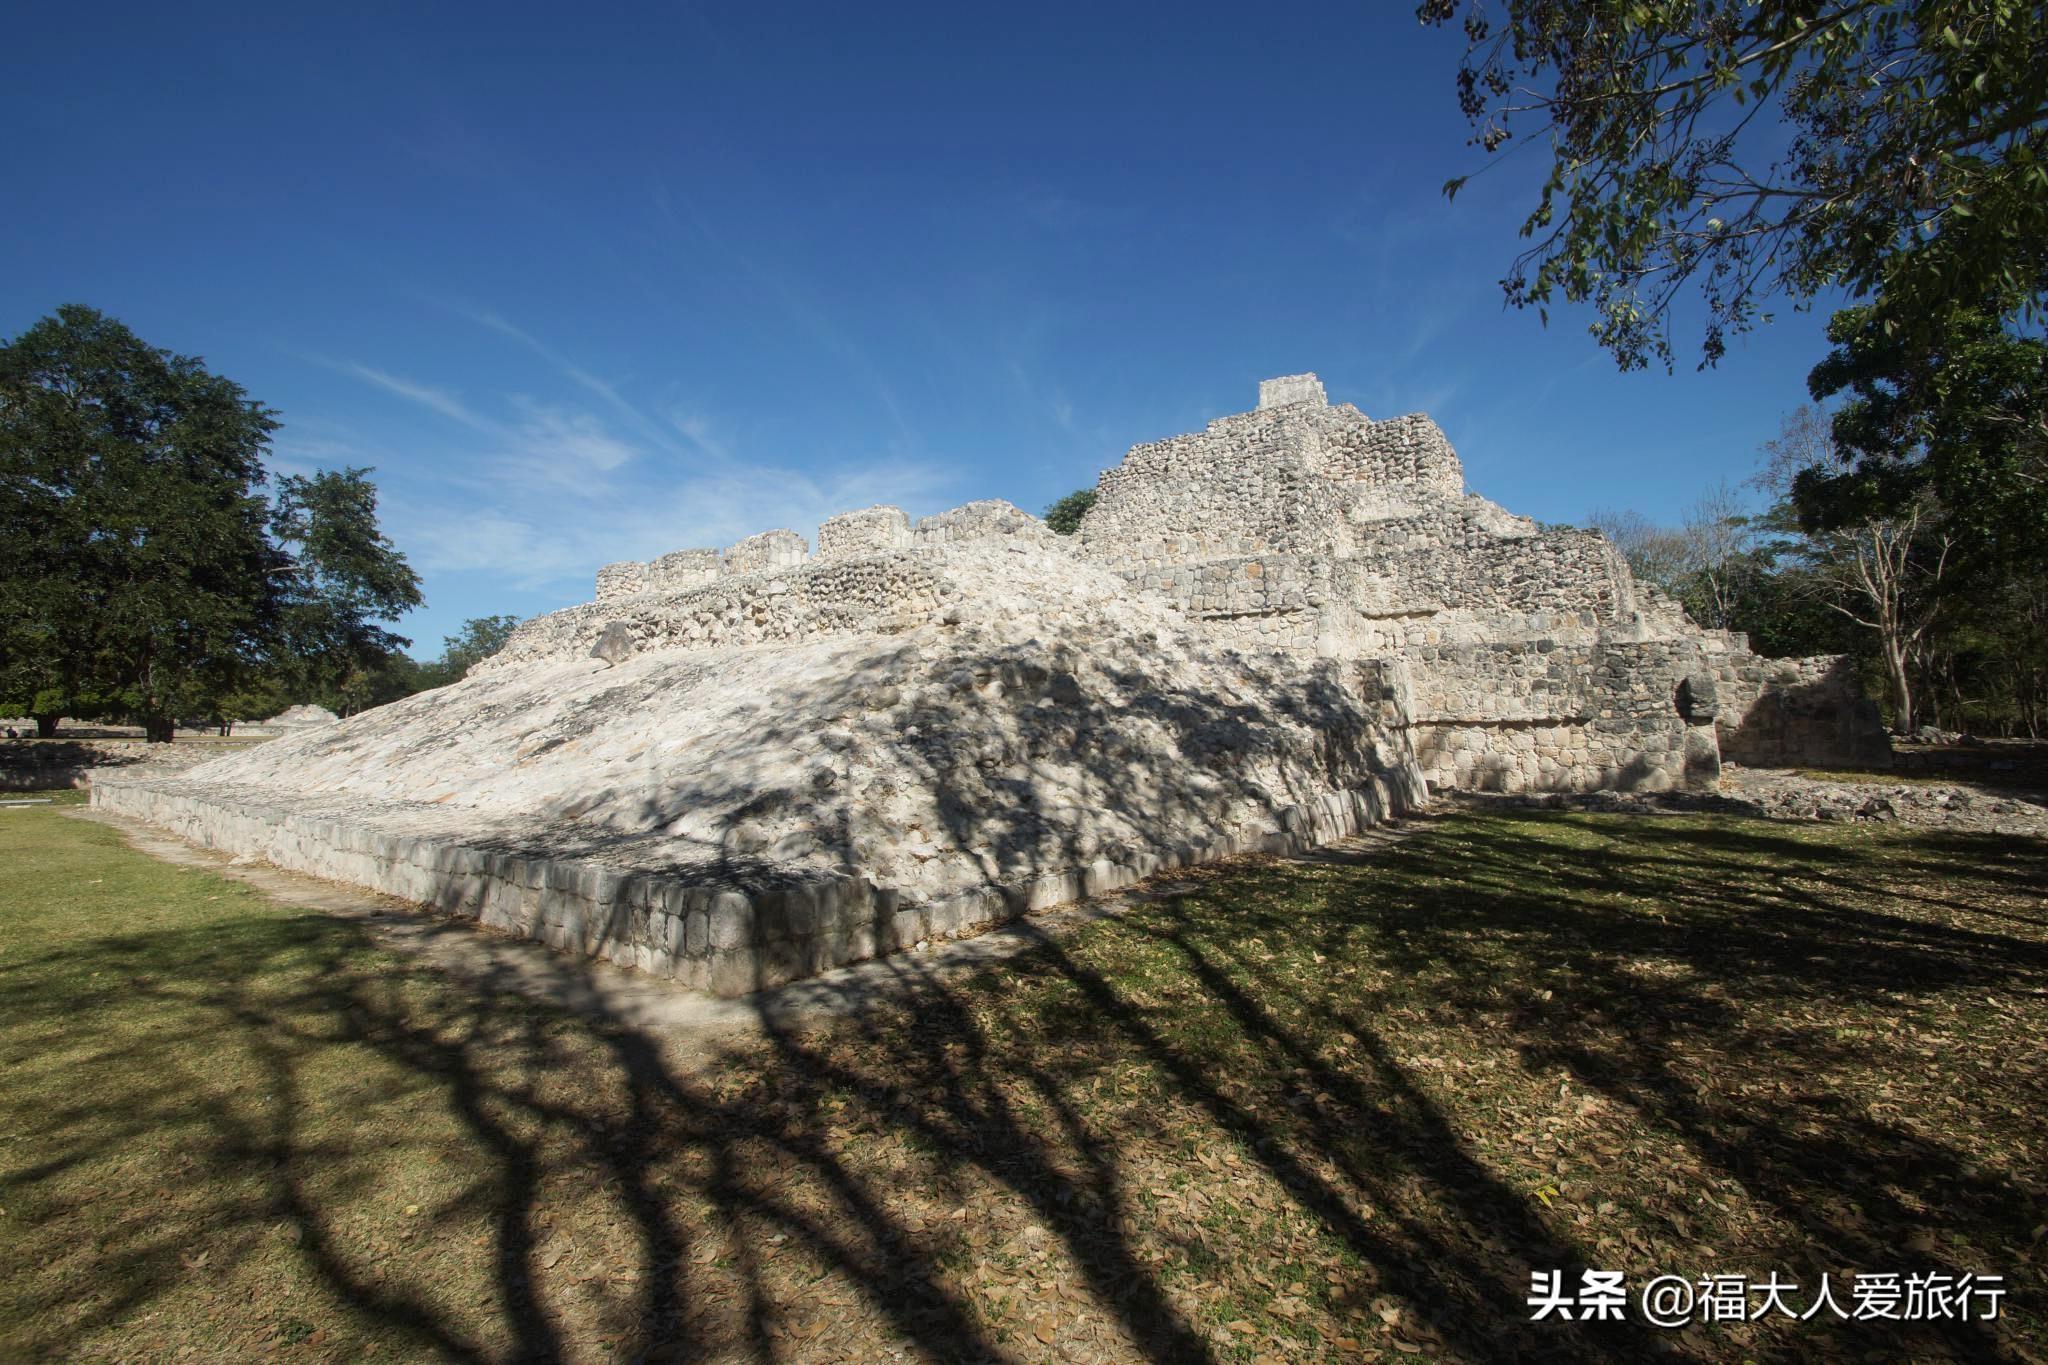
<point x="1910" y="527"/>
<point x="1064" y="516"/>
<point x="479" y="638"/>
<point x="144" y="574"/>
<point x="1758" y="148"/>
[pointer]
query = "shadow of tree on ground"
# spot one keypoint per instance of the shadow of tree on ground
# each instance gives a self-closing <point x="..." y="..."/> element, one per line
<point x="1336" y="1107"/>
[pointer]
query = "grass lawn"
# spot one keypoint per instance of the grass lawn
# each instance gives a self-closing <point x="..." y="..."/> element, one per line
<point x="1292" y="1111"/>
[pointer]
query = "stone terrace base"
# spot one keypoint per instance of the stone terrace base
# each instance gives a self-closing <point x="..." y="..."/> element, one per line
<point x="711" y="928"/>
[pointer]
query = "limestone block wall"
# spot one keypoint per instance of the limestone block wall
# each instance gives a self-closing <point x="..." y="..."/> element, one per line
<point x="681" y="570"/>
<point x="1394" y="516"/>
<point x="621" y="580"/>
<point x="1243" y="585"/>
<point x="1784" y="712"/>
<point x="1244" y="491"/>
<point x="1389" y="522"/>
<point x="1398" y="631"/>
<point x="1544" y="716"/>
<point x="998" y="777"/>
<point x="1565" y="573"/>
<point x="729" y="938"/>
<point x="1262" y="602"/>
<point x="852" y="594"/>
<point x="1508" y="683"/>
<point x="1292" y="388"/>
<point x="867" y="531"/>
<point x="1409" y="451"/>
<point x="871" y="528"/>
<point x="677" y="571"/>
<point x="988" y="519"/>
<point x="779" y="549"/>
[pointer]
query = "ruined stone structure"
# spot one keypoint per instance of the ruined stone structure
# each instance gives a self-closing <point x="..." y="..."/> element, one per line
<point x="1532" y="658"/>
<point x="737" y="767"/>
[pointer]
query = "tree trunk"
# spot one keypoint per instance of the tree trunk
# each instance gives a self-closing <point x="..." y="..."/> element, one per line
<point x="46" y="726"/>
<point x="159" y="729"/>
<point x="1902" y="689"/>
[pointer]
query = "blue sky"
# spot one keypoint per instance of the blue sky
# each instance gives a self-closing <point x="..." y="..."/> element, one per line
<point x="588" y="283"/>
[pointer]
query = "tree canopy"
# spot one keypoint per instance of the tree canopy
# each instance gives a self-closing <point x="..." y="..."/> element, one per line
<point x="1958" y="416"/>
<point x="1761" y="148"/>
<point x="344" y="577"/>
<point x="143" y="570"/>
<point x="1909" y="527"/>
<point x="1063" y="518"/>
<point x="479" y="638"/>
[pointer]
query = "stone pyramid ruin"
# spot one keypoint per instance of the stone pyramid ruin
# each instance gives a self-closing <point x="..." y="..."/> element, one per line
<point x="735" y="768"/>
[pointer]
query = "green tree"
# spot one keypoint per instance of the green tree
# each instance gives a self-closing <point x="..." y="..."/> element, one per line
<point x="256" y="697"/>
<point x="142" y="571"/>
<point x="1954" y="414"/>
<point x="1894" y="149"/>
<point x="1064" y="516"/>
<point x="1932" y="510"/>
<point x="344" y="577"/>
<point x="134" y="565"/>
<point x="479" y="638"/>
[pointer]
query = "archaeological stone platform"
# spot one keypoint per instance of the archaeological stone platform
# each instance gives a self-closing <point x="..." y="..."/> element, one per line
<point x="734" y="767"/>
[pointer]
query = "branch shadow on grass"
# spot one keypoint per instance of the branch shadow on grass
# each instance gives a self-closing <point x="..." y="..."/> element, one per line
<point x="529" y="1129"/>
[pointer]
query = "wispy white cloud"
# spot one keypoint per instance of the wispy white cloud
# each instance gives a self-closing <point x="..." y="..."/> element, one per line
<point x="549" y="483"/>
<point x="701" y="433"/>
<point x="1052" y="401"/>
<point x="434" y="400"/>
<point x="571" y="437"/>
<point x="797" y="303"/>
<point x="645" y="426"/>
<point x="540" y="447"/>
<point x="537" y="538"/>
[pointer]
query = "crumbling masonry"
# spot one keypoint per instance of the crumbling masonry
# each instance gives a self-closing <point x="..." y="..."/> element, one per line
<point x="736" y="768"/>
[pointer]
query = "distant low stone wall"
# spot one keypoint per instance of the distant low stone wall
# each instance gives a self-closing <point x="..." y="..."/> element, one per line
<point x="1799" y="712"/>
<point x="625" y="579"/>
<point x="865" y="531"/>
<point x="681" y="570"/>
<point x="874" y="593"/>
<point x="989" y="519"/>
<point x="28" y="765"/>
<point x="1541" y="716"/>
<point x="871" y="530"/>
<point x="768" y="550"/>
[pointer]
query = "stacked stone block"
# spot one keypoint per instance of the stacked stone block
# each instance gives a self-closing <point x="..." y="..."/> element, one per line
<point x="843" y="595"/>
<point x="723" y="936"/>
<point x="681" y="570"/>
<point x="1410" y="452"/>
<point x="865" y="531"/>
<point x="1290" y="389"/>
<point x="765" y="552"/>
<point x="988" y="519"/>
<point x="615" y="581"/>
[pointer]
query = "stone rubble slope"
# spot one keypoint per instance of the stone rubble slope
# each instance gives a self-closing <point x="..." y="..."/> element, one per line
<point x="1040" y="734"/>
